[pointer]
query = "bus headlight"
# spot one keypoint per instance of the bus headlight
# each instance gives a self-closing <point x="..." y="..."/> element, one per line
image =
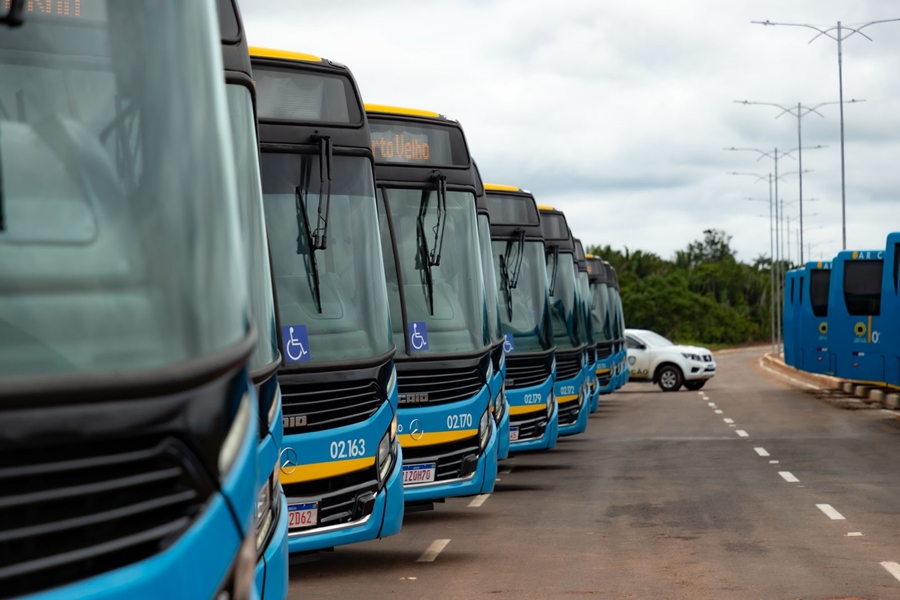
<point x="245" y="569"/>
<point x="264" y="515"/>
<point x="384" y="459"/>
<point x="276" y="402"/>
<point x="490" y="371"/>
<point x="235" y="437"/>
<point x="391" y="382"/>
<point x="551" y="400"/>
<point x="484" y="428"/>
<point x="394" y="429"/>
<point x="499" y="405"/>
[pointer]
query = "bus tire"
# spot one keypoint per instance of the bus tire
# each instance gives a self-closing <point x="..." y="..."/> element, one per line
<point x="669" y="378"/>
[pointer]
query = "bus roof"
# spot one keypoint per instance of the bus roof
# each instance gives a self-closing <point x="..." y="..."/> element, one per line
<point x="496" y="187"/>
<point x="257" y="52"/>
<point x="400" y="110"/>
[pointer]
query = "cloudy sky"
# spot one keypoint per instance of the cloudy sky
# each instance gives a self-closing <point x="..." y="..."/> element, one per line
<point x="617" y="112"/>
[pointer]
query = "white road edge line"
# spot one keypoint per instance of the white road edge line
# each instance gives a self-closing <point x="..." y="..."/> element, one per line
<point x="829" y="510"/>
<point x="727" y="420"/>
<point x="433" y="550"/>
<point x="892" y="568"/>
<point x="788" y="476"/>
<point x="478" y="500"/>
<point x="719" y="411"/>
<point x="788" y="377"/>
<point x="761" y="451"/>
<point x="742" y="433"/>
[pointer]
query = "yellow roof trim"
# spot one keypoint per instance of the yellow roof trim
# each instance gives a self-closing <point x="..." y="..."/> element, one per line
<point x="589" y="255"/>
<point x="496" y="187"/>
<point x="545" y="207"/>
<point x="256" y="52"/>
<point x="399" y="110"/>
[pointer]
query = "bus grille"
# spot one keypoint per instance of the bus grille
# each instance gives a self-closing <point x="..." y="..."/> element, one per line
<point x="568" y="413"/>
<point x="72" y="512"/>
<point x="527" y="371"/>
<point x="530" y="427"/>
<point x="449" y="458"/>
<point x="421" y="388"/>
<point x="603" y="379"/>
<point x="604" y="351"/>
<point x="341" y="499"/>
<point x="568" y="365"/>
<point x="307" y="408"/>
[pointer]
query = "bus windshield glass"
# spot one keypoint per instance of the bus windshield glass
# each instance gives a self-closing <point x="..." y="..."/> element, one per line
<point x="253" y="225"/>
<point x="491" y="290"/>
<point x="600" y="315"/>
<point x="563" y="300"/>
<point x="819" y="281"/>
<point x="585" y="325"/>
<point x="614" y="313"/>
<point x="119" y="243"/>
<point x="524" y="306"/>
<point x="443" y="287"/>
<point x="335" y="293"/>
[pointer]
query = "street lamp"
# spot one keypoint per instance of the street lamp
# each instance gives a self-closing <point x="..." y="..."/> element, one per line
<point x="798" y="112"/>
<point x="839" y="37"/>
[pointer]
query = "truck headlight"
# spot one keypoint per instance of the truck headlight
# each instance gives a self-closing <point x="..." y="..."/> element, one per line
<point x="235" y="436"/>
<point x="384" y="459"/>
<point x="484" y="428"/>
<point x="276" y="402"/>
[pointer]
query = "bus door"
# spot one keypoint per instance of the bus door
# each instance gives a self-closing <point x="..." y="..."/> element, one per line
<point x="813" y="354"/>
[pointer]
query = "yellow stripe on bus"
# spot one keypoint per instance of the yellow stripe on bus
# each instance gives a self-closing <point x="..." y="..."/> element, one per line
<point x="438" y="437"/>
<point x="400" y="110"/>
<point x="326" y="469"/>
<point x="545" y="207"/>
<point x="496" y="187"/>
<point x="564" y="399"/>
<point x="602" y="371"/>
<point x="524" y="410"/>
<point x="257" y="52"/>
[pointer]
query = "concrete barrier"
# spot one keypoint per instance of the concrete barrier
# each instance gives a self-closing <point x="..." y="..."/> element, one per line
<point x="862" y="391"/>
<point x="892" y="401"/>
<point x="876" y="396"/>
<point x="814" y="379"/>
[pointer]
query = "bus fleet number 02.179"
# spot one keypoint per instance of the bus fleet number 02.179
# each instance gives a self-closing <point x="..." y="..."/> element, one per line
<point x="348" y="448"/>
<point x="533" y="398"/>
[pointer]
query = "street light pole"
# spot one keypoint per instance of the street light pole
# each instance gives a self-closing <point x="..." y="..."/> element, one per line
<point x="839" y="37"/>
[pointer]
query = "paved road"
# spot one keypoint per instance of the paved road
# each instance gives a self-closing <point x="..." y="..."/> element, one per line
<point x="663" y="498"/>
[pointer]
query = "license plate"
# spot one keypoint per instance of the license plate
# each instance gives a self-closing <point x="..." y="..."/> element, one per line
<point x="303" y="515"/>
<point x="514" y="434"/>
<point x="423" y="473"/>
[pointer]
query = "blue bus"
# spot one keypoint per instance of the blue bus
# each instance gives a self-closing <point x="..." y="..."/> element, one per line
<point x="587" y="300"/>
<point x="499" y="404"/>
<point x="855" y="321"/>
<point x="128" y="427"/>
<point x="340" y="459"/>
<point x="790" y="314"/>
<point x="811" y="350"/>
<point x="602" y="321"/>
<point x="620" y="356"/>
<point x="890" y="308"/>
<point x="571" y="386"/>
<point x="519" y="259"/>
<point x="429" y="229"/>
<point x="271" y="505"/>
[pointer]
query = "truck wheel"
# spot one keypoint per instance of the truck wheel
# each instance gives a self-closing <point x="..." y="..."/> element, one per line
<point x="670" y="378"/>
<point x="694" y="385"/>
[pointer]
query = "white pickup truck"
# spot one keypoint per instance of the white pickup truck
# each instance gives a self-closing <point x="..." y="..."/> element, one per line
<point x="651" y="357"/>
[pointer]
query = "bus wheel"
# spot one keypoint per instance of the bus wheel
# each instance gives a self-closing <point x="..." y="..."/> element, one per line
<point x="670" y="378"/>
<point x="694" y="385"/>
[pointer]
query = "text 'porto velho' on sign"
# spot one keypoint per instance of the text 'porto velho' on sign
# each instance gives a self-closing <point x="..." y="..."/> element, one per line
<point x="413" y="144"/>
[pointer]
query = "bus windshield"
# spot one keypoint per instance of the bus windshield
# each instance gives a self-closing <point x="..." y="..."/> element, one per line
<point x="443" y="286"/>
<point x="614" y="313"/>
<point x="491" y="290"/>
<point x="524" y="303"/>
<point x="600" y="315"/>
<point x="256" y="250"/>
<point x="120" y="244"/>
<point x="335" y="292"/>
<point x="585" y="328"/>
<point x="563" y="300"/>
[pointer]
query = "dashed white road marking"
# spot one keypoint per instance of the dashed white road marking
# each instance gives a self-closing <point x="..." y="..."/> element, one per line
<point x="712" y="404"/>
<point x="506" y="471"/>
<point x="830" y="512"/>
<point x="742" y="433"/>
<point x="892" y="568"/>
<point x="727" y="420"/>
<point x="719" y="411"/>
<point x="433" y="550"/>
<point x="788" y="476"/>
<point x="478" y="500"/>
<point x="855" y="534"/>
<point x="761" y="451"/>
<point x="773" y="462"/>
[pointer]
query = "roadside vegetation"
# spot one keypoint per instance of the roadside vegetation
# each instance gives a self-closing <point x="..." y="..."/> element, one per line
<point x="703" y="295"/>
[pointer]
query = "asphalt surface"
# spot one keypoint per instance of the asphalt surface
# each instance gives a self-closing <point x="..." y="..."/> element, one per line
<point x="662" y="498"/>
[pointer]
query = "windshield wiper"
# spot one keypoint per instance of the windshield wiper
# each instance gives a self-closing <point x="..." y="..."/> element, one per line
<point x="320" y="235"/>
<point x="507" y="288"/>
<point x="434" y="259"/>
<point x="508" y="281"/>
<point x="517" y="269"/>
<point x="308" y="237"/>
<point x="14" y="17"/>
<point x="555" y="251"/>
<point x="423" y="258"/>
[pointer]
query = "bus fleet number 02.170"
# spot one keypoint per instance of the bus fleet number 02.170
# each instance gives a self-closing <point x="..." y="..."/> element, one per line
<point x="462" y="421"/>
<point x="348" y="448"/>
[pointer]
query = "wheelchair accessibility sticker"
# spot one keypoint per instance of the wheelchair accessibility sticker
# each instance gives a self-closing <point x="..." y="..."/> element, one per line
<point x="509" y="345"/>
<point x="296" y="343"/>
<point x="418" y="336"/>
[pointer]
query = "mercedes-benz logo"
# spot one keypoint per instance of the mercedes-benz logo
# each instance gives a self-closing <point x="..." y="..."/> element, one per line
<point x="288" y="460"/>
<point x="416" y="430"/>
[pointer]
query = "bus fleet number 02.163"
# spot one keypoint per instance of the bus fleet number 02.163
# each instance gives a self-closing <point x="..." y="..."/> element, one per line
<point x="462" y="421"/>
<point x="348" y="448"/>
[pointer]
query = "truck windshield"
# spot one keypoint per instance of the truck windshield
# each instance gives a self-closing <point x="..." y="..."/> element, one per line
<point x="491" y="290"/>
<point x="443" y="286"/>
<point x="120" y="244"/>
<point x="563" y="301"/>
<point x="584" y="320"/>
<point x="524" y="302"/>
<point x="253" y="225"/>
<point x="337" y="292"/>
<point x="600" y="315"/>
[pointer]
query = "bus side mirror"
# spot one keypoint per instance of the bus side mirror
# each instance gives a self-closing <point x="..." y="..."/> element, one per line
<point x="12" y="16"/>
